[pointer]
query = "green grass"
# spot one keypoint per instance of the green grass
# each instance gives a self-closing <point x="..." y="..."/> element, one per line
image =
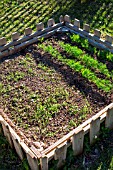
<point x="18" y="15"/>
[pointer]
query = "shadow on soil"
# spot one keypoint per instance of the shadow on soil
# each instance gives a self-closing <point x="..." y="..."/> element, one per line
<point x="72" y="78"/>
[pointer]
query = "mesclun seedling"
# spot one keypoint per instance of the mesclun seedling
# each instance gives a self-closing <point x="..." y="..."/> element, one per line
<point x="86" y="59"/>
<point x="105" y="85"/>
<point x="15" y="76"/>
<point x="103" y="54"/>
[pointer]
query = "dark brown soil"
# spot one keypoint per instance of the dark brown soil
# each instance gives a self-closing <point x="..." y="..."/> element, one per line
<point x="44" y="98"/>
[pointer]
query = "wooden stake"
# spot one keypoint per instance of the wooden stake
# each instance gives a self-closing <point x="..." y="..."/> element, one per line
<point x="77" y="142"/>
<point x="32" y="160"/>
<point x="94" y="129"/>
<point x="44" y="162"/>
<point x="60" y="154"/>
<point x="17" y="146"/>
<point x="109" y="118"/>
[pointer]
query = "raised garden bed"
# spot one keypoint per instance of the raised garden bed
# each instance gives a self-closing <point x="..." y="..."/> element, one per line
<point x="48" y="90"/>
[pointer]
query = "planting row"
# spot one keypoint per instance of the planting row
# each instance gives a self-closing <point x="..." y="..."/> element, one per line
<point x="86" y="59"/>
<point x="78" y="66"/>
<point x="102" y="54"/>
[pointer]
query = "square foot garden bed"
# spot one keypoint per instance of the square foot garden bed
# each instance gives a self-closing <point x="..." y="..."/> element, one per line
<point x="51" y="88"/>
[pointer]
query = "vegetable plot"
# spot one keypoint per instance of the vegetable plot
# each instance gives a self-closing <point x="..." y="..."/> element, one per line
<point x="52" y="87"/>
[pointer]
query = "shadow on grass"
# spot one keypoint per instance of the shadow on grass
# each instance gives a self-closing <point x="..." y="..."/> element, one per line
<point x="8" y="158"/>
<point x="97" y="157"/>
<point x="99" y="14"/>
<point x="96" y="13"/>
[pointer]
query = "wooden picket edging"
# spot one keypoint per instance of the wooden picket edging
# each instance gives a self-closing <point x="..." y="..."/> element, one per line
<point x="59" y="149"/>
<point x="39" y="159"/>
<point x="18" y="43"/>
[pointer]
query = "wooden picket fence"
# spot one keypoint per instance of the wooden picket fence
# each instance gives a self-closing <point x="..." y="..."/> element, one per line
<point x="65" y="24"/>
<point x="75" y="138"/>
<point x="39" y="159"/>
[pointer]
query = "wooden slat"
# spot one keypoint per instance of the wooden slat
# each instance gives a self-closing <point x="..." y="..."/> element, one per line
<point x="33" y="161"/>
<point x="77" y="142"/>
<point x="3" y="41"/>
<point x="77" y="23"/>
<point x="67" y="18"/>
<point x="97" y="33"/>
<point x="60" y="154"/>
<point x="94" y="129"/>
<point x="6" y="132"/>
<point x="109" y="118"/>
<point x="28" y="31"/>
<point x="44" y="162"/>
<point x="86" y="27"/>
<point x="1" y="118"/>
<point x="51" y="22"/>
<point x="17" y="146"/>
<point x="61" y="19"/>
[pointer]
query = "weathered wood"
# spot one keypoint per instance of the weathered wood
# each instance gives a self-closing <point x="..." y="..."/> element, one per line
<point x="77" y="23"/>
<point x="86" y="27"/>
<point x="1" y="119"/>
<point x="109" y="118"/>
<point x="67" y="18"/>
<point x="94" y="129"/>
<point x="28" y="31"/>
<point x="24" y="39"/>
<point x="109" y="39"/>
<point x="17" y="146"/>
<point x="3" y="41"/>
<point x="40" y="26"/>
<point x="51" y="22"/>
<point x="15" y="36"/>
<point x="4" y="53"/>
<point x="33" y="161"/>
<point x="60" y="154"/>
<point x="6" y="132"/>
<point x="61" y="19"/>
<point x="77" y="142"/>
<point x="25" y="44"/>
<point x="44" y="162"/>
<point x="35" y="151"/>
<point x="97" y="33"/>
<point x="94" y="40"/>
<point x="75" y="131"/>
